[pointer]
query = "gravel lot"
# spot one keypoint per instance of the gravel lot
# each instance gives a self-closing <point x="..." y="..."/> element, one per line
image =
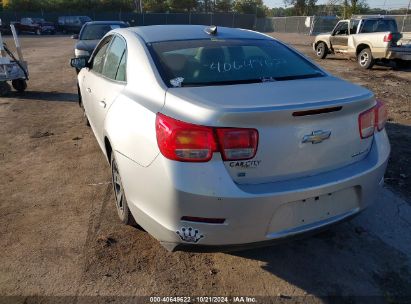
<point x="61" y="237"/>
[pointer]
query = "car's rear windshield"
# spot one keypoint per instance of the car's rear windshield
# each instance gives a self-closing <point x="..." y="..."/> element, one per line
<point x="218" y="62"/>
<point x="97" y="31"/>
<point x="379" y="25"/>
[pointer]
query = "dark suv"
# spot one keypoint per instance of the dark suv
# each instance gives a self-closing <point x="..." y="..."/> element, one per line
<point x="72" y="24"/>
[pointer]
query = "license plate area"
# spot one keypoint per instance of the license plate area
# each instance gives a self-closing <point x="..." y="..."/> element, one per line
<point x="314" y="209"/>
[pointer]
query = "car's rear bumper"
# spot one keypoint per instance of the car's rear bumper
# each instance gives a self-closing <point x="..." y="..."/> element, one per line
<point x="255" y="215"/>
<point x="403" y="53"/>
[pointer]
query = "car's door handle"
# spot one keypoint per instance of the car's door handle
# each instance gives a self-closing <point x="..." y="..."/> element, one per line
<point x="103" y="104"/>
<point x="89" y="90"/>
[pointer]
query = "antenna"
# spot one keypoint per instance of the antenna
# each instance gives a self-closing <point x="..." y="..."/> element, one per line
<point x="211" y="30"/>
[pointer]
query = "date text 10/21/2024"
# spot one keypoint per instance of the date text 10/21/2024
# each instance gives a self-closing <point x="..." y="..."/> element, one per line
<point x="204" y="299"/>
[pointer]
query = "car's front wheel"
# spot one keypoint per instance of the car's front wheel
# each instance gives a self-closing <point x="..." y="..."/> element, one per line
<point x="321" y="50"/>
<point x="365" y="59"/>
<point x="121" y="202"/>
<point x="5" y="88"/>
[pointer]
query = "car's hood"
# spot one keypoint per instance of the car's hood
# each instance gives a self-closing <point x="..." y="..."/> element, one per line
<point x="87" y="45"/>
<point x="269" y="95"/>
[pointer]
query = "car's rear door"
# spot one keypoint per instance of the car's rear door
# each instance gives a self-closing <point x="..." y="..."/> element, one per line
<point x="105" y="82"/>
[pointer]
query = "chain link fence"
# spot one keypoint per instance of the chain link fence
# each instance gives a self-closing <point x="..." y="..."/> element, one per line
<point x="313" y="25"/>
<point x="308" y="25"/>
<point x="246" y="21"/>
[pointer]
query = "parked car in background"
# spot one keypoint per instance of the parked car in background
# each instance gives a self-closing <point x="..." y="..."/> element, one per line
<point x="91" y="33"/>
<point x="72" y="24"/>
<point x="35" y="25"/>
<point x="366" y="39"/>
<point x="228" y="138"/>
<point x="4" y="28"/>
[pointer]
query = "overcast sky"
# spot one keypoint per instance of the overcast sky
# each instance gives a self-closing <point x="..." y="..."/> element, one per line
<point x="389" y="4"/>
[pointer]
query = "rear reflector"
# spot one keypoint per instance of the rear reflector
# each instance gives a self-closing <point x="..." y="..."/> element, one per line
<point x="318" y="111"/>
<point x="181" y="141"/>
<point x="203" y="220"/>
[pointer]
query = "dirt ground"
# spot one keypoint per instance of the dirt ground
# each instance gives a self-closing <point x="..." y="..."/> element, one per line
<point x="60" y="235"/>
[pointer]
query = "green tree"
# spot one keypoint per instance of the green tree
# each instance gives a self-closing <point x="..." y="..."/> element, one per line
<point x="251" y="7"/>
<point x="302" y="7"/>
<point x="223" y="5"/>
<point x="156" y="6"/>
<point x="182" y="5"/>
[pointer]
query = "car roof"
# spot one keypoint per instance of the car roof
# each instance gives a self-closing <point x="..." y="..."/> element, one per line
<point x="157" y="33"/>
<point x="374" y="17"/>
<point x="105" y="22"/>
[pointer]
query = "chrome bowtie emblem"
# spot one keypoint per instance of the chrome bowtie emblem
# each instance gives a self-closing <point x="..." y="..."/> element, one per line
<point x="317" y="136"/>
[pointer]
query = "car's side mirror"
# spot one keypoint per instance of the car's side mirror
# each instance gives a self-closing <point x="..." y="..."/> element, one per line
<point x="75" y="36"/>
<point x="79" y="63"/>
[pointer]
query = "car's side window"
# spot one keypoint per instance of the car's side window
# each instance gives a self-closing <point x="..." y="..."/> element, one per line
<point x="342" y="29"/>
<point x="100" y="57"/>
<point x="354" y="26"/>
<point x="114" y="57"/>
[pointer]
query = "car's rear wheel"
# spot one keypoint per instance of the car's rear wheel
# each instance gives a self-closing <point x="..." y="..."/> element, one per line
<point x="121" y="202"/>
<point x="365" y="59"/>
<point x="321" y="50"/>
<point x="19" y="85"/>
<point x="80" y="102"/>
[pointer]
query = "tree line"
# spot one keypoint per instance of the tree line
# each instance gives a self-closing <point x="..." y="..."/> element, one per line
<point x="341" y="8"/>
<point x="148" y="6"/>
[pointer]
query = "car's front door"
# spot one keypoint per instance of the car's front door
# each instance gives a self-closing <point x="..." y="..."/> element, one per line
<point x="105" y="81"/>
<point x="339" y="37"/>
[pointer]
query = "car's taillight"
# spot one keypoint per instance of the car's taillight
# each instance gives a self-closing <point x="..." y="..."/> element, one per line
<point x="181" y="141"/>
<point x="366" y="122"/>
<point x="388" y="37"/>
<point x="381" y="115"/>
<point x="372" y="119"/>
<point x="236" y="144"/>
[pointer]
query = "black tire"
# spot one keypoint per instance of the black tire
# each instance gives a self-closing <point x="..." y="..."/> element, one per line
<point x="20" y="85"/>
<point x="80" y="102"/>
<point x="402" y="64"/>
<point x="123" y="210"/>
<point x="365" y="59"/>
<point x="321" y="50"/>
<point x="5" y="88"/>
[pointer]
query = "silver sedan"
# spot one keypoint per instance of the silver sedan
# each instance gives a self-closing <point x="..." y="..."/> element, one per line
<point x="224" y="138"/>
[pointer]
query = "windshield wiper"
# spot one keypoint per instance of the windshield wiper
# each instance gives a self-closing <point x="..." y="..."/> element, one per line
<point x="294" y="77"/>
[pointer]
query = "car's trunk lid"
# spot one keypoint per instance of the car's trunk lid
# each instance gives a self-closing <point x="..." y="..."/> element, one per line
<point x="271" y="109"/>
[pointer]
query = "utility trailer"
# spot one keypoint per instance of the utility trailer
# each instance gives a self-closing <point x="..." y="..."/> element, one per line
<point x="12" y="69"/>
